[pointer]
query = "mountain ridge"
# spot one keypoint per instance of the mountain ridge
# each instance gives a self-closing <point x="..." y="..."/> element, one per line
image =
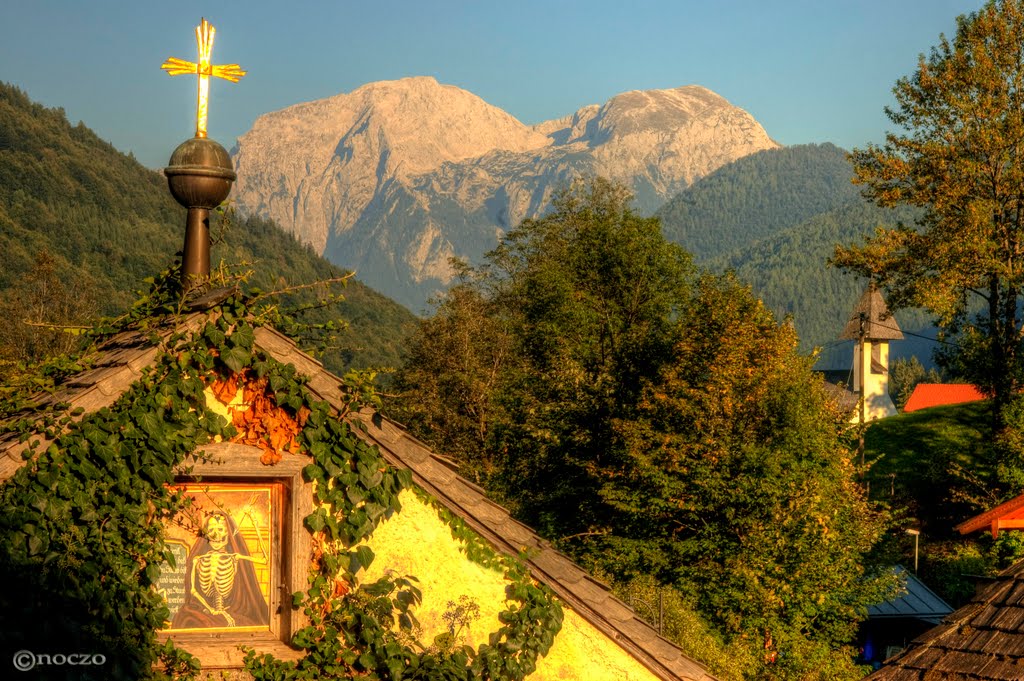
<point x="754" y="197"/>
<point x="397" y="177"/>
<point x="774" y="218"/>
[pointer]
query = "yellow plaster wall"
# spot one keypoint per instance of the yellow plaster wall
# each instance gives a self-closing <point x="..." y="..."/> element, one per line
<point x="582" y="652"/>
<point x="419" y="543"/>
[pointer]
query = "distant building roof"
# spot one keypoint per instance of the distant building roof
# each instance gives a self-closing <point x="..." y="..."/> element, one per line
<point x="844" y="398"/>
<point x="917" y="601"/>
<point x="982" y="640"/>
<point x="878" y="322"/>
<point x="937" y="394"/>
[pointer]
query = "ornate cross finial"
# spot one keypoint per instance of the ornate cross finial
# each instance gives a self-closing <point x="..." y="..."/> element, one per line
<point x="176" y="67"/>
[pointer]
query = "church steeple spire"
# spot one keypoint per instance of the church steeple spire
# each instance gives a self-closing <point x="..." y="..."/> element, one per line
<point x="871" y="318"/>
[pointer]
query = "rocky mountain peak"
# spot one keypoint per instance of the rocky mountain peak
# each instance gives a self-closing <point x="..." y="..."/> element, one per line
<point x="662" y="110"/>
<point x="397" y="176"/>
<point x="424" y="123"/>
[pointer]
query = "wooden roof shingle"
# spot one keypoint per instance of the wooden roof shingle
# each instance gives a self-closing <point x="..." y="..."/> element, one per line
<point x="982" y="640"/>
<point x="879" y="324"/>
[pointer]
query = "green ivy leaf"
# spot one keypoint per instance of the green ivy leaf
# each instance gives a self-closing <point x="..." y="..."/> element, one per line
<point x="152" y="573"/>
<point x="244" y="336"/>
<point x="316" y="520"/>
<point x="360" y="558"/>
<point x="237" y="358"/>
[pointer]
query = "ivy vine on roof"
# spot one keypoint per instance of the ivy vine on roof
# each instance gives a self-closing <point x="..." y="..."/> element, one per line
<point x="81" y="538"/>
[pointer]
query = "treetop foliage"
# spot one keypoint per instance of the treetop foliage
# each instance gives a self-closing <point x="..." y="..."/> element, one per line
<point x="655" y="422"/>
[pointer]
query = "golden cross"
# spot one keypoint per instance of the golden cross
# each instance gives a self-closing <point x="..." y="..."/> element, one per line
<point x="177" y="67"/>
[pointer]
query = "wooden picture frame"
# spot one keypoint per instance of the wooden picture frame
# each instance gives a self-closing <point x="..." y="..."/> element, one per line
<point x="225" y="479"/>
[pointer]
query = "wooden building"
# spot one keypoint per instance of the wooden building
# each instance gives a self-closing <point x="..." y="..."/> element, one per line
<point x="1008" y="515"/>
<point x="892" y="625"/>
<point x="264" y="505"/>
<point x="982" y="640"/>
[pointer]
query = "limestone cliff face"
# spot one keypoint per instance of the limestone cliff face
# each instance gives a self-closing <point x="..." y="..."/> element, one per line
<point x="396" y="177"/>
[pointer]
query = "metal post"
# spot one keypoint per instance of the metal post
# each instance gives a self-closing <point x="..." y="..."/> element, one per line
<point x="661" y="611"/>
<point x="195" y="263"/>
<point x="917" y="535"/>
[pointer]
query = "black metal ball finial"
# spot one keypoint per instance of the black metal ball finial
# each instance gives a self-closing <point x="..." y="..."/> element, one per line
<point x="199" y="176"/>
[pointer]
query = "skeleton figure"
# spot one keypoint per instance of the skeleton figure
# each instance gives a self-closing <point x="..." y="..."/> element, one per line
<point x="223" y="589"/>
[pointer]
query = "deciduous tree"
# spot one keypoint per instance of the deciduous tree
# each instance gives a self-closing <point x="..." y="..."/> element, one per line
<point x="653" y="422"/>
<point x="958" y="155"/>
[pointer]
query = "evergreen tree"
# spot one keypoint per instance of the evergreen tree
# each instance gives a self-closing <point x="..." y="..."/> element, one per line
<point x="904" y="375"/>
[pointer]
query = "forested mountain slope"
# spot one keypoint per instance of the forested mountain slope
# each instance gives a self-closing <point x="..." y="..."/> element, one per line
<point x="789" y="271"/>
<point x="775" y="217"/>
<point x="107" y="223"/>
<point x="757" y="196"/>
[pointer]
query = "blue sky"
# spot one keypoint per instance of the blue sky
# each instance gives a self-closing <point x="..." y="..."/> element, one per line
<point x="808" y="70"/>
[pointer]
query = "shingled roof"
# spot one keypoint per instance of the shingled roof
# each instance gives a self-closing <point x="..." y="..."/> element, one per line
<point x="879" y="324"/>
<point x="982" y="640"/>
<point x="845" y="399"/>
<point x="121" y="360"/>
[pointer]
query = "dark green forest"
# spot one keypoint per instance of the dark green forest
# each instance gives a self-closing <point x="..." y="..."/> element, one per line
<point x="757" y="196"/>
<point x="95" y="223"/>
<point x="775" y="218"/>
<point x="789" y="270"/>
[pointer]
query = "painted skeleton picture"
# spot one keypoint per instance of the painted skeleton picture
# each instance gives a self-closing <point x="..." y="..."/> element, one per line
<point x="223" y="582"/>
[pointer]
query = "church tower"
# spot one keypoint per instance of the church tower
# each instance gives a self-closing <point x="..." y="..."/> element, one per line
<point x="872" y="326"/>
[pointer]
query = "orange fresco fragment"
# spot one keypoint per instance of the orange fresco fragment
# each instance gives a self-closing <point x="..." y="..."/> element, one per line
<point x="260" y="422"/>
<point x="225" y="389"/>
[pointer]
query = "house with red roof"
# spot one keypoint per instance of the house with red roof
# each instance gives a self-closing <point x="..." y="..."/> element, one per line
<point x="1008" y="515"/>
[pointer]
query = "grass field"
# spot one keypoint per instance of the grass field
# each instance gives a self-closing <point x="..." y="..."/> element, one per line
<point x="934" y="470"/>
<point x="934" y="463"/>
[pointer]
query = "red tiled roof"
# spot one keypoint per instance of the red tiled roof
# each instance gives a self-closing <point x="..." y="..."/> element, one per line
<point x="937" y="394"/>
